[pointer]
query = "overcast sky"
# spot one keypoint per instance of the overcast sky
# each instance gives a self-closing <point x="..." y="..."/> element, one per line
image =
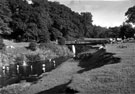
<point x="105" y="12"/>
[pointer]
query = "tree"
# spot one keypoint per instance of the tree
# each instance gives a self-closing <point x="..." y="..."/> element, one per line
<point x="114" y="32"/>
<point x="131" y="15"/>
<point x="5" y="18"/>
<point x="55" y="33"/>
<point x="30" y="21"/>
<point x="21" y="15"/>
<point x="99" y="32"/>
<point x="61" y="41"/>
<point x="2" y="45"/>
<point x="32" y="46"/>
<point x="126" y="31"/>
<point x="66" y="21"/>
<point x="86" y="18"/>
<point x="44" y="20"/>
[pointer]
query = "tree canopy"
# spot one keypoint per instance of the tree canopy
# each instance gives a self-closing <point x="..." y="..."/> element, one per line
<point x="131" y="15"/>
<point x="44" y="20"/>
<point x="127" y="31"/>
<point x="30" y="21"/>
<point x="5" y="17"/>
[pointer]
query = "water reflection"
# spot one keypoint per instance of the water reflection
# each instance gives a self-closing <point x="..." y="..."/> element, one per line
<point x="7" y="68"/>
<point x="54" y="63"/>
<point x="31" y="67"/>
<point x="25" y="63"/>
<point x="43" y="67"/>
<point x="17" y="67"/>
<point x="3" y="73"/>
<point x="26" y="70"/>
<point x="17" y="72"/>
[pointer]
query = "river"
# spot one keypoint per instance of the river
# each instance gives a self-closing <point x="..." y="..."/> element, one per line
<point x="29" y="72"/>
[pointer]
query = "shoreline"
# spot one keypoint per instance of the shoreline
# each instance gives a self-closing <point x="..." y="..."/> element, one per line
<point x="109" y="77"/>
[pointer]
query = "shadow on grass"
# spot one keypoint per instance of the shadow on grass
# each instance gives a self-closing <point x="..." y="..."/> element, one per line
<point x="98" y="59"/>
<point x="61" y="89"/>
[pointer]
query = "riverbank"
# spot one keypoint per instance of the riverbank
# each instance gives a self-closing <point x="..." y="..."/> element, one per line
<point x="115" y="75"/>
<point x="14" y="54"/>
<point x="18" y="52"/>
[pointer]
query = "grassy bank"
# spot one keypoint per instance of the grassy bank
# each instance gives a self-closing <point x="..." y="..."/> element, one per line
<point x="21" y="52"/>
<point x="106" y="72"/>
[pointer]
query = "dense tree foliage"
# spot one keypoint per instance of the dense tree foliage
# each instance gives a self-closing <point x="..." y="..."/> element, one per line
<point x="5" y="17"/>
<point x="131" y="15"/>
<point x="44" y="20"/>
<point x="86" y="19"/>
<point x="99" y="32"/>
<point x="127" y="31"/>
<point x="2" y="45"/>
<point x="114" y="32"/>
<point x="30" y="22"/>
<point x="65" y="21"/>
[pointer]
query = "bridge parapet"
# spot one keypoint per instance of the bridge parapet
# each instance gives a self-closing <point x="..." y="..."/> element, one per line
<point x="88" y="41"/>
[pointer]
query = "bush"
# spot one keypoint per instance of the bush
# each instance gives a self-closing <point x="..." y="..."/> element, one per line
<point x="57" y="49"/>
<point x="33" y="58"/>
<point x="32" y="46"/>
<point x="49" y="46"/>
<point x="2" y="45"/>
<point x="19" y="59"/>
<point x="61" y="41"/>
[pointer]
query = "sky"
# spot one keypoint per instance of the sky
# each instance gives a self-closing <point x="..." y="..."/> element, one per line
<point x="106" y="13"/>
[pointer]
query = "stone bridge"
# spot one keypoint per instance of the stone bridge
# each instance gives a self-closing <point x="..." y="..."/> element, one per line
<point x="86" y="41"/>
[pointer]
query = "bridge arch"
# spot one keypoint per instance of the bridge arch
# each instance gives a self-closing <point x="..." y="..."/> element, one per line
<point x="86" y="41"/>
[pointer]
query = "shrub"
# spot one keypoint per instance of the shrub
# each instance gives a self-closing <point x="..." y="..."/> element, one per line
<point x="32" y="46"/>
<point x="48" y="46"/>
<point x="2" y="45"/>
<point x="57" y="49"/>
<point x="61" y="41"/>
<point x="33" y="58"/>
<point x="20" y="58"/>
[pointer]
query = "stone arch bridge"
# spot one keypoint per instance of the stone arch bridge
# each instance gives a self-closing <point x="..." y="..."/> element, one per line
<point x="87" y="41"/>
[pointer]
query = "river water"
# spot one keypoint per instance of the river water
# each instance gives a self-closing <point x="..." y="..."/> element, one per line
<point x="16" y="73"/>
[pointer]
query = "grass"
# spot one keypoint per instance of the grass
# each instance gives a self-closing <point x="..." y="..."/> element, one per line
<point x="96" y="60"/>
<point x="116" y="78"/>
<point x="44" y="51"/>
<point x="59" y="50"/>
<point x="110" y="79"/>
<point x="20" y="44"/>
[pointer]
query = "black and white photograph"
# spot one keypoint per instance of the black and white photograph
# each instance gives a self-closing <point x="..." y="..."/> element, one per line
<point x="67" y="46"/>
